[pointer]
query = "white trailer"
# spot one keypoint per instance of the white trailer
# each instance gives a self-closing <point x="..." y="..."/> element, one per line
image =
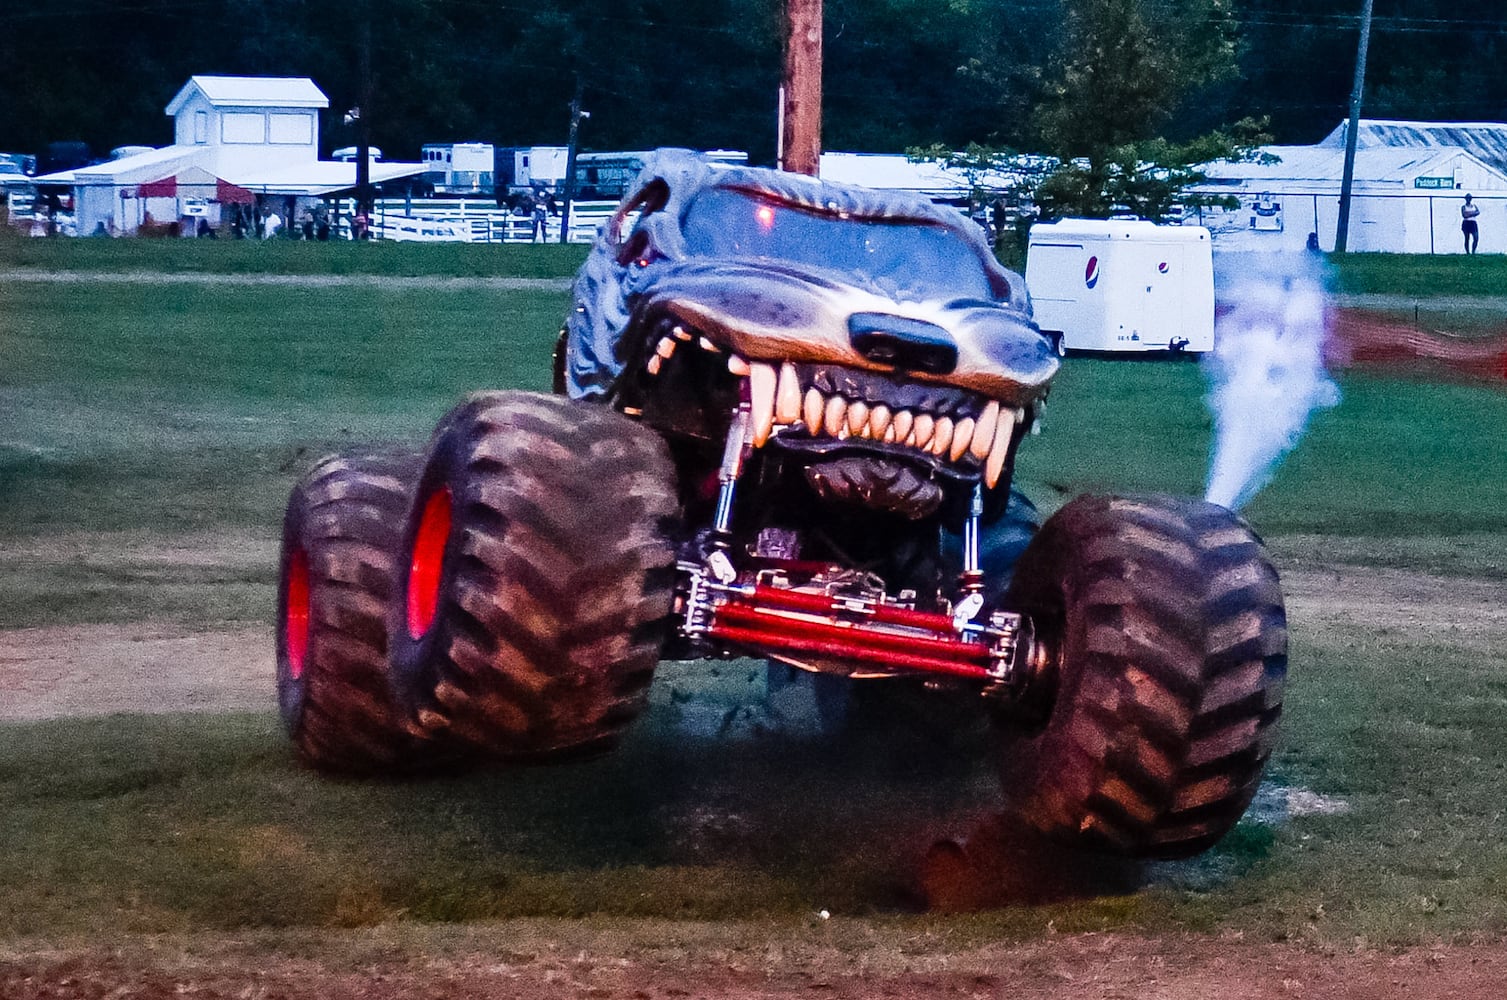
<point x="1122" y="285"/>
<point x="459" y="167"/>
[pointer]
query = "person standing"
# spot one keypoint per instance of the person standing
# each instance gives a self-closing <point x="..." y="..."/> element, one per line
<point x="1468" y="214"/>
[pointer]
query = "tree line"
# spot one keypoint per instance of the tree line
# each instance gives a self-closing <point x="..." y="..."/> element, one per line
<point x="1067" y="77"/>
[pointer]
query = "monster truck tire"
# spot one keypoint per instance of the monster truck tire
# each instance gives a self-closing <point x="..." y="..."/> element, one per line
<point x="337" y="575"/>
<point x="1172" y="639"/>
<point x="536" y="593"/>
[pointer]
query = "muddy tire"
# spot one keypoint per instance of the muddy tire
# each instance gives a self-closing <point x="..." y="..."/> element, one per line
<point x="1172" y="640"/>
<point x="537" y="587"/>
<point x="337" y="577"/>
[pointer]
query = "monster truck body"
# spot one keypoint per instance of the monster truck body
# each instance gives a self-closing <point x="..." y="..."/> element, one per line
<point x="785" y="423"/>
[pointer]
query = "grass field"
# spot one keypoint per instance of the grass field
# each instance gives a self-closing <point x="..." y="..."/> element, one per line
<point x="291" y="257"/>
<point x="171" y="412"/>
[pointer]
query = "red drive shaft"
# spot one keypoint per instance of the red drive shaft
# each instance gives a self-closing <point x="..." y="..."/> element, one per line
<point x="954" y="657"/>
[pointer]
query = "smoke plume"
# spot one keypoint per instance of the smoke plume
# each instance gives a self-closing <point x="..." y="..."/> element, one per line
<point x="1266" y="372"/>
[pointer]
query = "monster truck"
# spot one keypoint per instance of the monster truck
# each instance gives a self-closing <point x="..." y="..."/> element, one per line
<point x="784" y="425"/>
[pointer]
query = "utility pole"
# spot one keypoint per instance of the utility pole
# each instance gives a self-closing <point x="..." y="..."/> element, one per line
<point x="801" y="135"/>
<point x="1352" y="133"/>
<point x="363" y="112"/>
<point x="576" y="114"/>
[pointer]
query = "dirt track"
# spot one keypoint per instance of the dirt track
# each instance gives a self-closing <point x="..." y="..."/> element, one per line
<point x="651" y="961"/>
<point x="102" y="669"/>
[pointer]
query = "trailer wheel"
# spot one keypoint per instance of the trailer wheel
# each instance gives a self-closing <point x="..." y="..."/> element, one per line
<point x="1169" y="619"/>
<point x="338" y="568"/>
<point x="538" y="577"/>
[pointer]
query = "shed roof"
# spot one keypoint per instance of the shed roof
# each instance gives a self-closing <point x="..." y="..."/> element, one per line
<point x="1374" y="165"/>
<point x="1487" y="141"/>
<point x="252" y="92"/>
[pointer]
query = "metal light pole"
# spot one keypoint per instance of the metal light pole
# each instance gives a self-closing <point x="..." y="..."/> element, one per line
<point x="363" y="113"/>
<point x="576" y="114"/>
<point x="1342" y="231"/>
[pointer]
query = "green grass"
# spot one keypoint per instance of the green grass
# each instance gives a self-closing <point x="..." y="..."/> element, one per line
<point x="1424" y="275"/>
<point x="293" y="257"/>
<point x="142" y="423"/>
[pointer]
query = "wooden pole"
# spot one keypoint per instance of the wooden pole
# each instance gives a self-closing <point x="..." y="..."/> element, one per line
<point x="803" y="87"/>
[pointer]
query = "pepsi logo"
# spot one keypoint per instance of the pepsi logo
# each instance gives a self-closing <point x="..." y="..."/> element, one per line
<point x="1091" y="272"/>
<point x="1162" y="268"/>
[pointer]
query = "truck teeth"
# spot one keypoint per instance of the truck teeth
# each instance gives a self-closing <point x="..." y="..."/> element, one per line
<point x="835" y="418"/>
<point x="903" y="422"/>
<point x="858" y="418"/>
<point x="925" y="426"/>
<point x="943" y="439"/>
<point x="761" y="387"/>
<point x="812" y="410"/>
<point x="999" y="448"/>
<point x="962" y="437"/>
<point x="983" y="434"/>
<point x="776" y="400"/>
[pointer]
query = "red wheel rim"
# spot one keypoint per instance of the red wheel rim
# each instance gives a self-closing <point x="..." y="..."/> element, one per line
<point x="296" y="614"/>
<point x="427" y="562"/>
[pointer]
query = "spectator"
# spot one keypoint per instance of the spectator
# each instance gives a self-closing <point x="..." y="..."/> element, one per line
<point x="306" y="223"/>
<point x="539" y="214"/>
<point x="1468" y="214"/>
<point x="361" y="225"/>
<point x="271" y="224"/>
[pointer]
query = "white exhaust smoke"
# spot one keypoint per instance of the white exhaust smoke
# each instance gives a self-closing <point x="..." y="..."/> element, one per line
<point x="1266" y="372"/>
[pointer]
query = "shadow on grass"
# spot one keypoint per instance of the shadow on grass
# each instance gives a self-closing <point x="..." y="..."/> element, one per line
<point x="162" y="823"/>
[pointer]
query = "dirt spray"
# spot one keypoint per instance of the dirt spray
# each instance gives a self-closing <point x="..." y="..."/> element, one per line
<point x="1266" y="373"/>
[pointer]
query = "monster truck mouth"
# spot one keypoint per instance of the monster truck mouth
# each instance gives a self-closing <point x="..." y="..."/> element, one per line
<point x="814" y="406"/>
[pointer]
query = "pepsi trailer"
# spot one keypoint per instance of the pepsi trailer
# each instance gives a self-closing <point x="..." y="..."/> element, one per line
<point x="1116" y="285"/>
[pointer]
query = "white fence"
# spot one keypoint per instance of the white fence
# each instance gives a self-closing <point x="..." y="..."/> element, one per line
<point x="457" y="220"/>
<point x="1403" y="222"/>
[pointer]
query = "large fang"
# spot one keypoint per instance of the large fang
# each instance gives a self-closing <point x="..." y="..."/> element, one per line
<point x="812" y="412"/>
<point x="761" y="384"/>
<point x="837" y="410"/>
<point x="666" y="348"/>
<point x="787" y="398"/>
<point x="999" y="448"/>
<point x="983" y="434"/>
<point x="737" y="366"/>
<point x="654" y="362"/>
<point x="879" y="421"/>
<point x="962" y="437"/>
<point x="707" y="345"/>
<point x="903" y="421"/>
<point x="943" y="440"/>
<point x="858" y="417"/>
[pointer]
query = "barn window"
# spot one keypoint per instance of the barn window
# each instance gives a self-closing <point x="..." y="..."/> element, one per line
<point x="291" y="129"/>
<point x="201" y="127"/>
<point x="243" y="127"/>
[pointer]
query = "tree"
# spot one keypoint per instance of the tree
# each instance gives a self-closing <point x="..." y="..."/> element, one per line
<point x="1120" y="71"/>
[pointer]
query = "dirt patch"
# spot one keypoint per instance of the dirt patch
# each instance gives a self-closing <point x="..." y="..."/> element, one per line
<point x="743" y="963"/>
<point x="158" y="667"/>
<point x="83" y="670"/>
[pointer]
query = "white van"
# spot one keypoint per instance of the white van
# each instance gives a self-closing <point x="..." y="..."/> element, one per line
<point x="1117" y="285"/>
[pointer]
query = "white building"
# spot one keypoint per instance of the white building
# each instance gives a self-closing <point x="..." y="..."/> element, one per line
<point x="1406" y="197"/>
<point x="237" y="140"/>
